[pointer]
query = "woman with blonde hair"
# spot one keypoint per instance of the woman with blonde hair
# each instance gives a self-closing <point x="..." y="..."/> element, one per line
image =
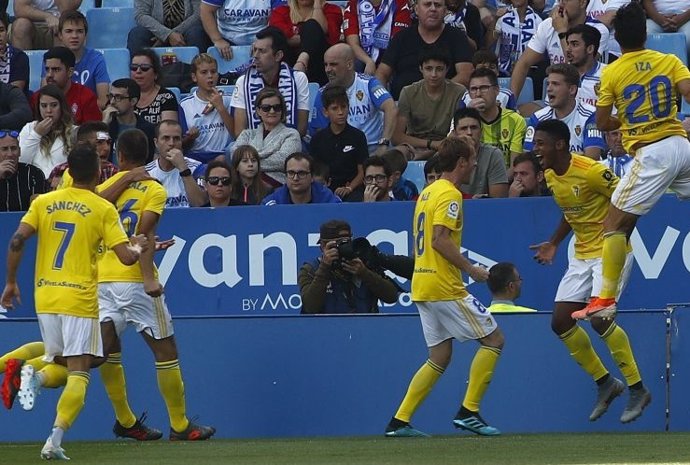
<point x="46" y="141"/>
<point x="247" y="185"/>
<point x="272" y="139"/>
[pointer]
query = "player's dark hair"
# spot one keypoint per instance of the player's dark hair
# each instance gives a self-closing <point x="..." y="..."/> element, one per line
<point x="631" y="26"/>
<point x="299" y="156"/>
<point x="334" y="94"/>
<point x="556" y="129"/>
<point x="378" y="161"/>
<point x="279" y="42"/>
<point x="63" y="54"/>
<point x="500" y="276"/>
<point x="481" y="57"/>
<point x="569" y="72"/>
<point x="466" y="112"/>
<point x="435" y="54"/>
<point x="590" y="35"/>
<point x="134" y="146"/>
<point x="131" y="85"/>
<point x="530" y="158"/>
<point x="83" y="164"/>
<point x="487" y="73"/>
<point x="450" y="151"/>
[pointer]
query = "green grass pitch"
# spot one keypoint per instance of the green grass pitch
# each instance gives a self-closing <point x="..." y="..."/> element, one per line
<point x="533" y="449"/>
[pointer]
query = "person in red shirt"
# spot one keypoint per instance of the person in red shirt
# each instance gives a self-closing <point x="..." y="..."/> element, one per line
<point x="369" y="25"/>
<point x="311" y="26"/>
<point x="59" y="65"/>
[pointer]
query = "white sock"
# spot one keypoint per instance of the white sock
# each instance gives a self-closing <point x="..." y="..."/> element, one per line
<point x="56" y="436"/>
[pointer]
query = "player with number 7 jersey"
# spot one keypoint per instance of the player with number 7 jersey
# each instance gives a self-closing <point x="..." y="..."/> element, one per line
<point x="643" y="85"/>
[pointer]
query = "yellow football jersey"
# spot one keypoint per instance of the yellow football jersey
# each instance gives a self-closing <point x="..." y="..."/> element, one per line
<point x="70" y="223"/>
<point x="583" y="194"/>
<point x="643" y="88"/>
<point x="434" y="277"/>
<point x="138" y="198"/>
<point x="65" y="180"/>
<point x="507" y="132"/>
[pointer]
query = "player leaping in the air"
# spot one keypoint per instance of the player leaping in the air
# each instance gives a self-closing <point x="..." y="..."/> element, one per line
<point x="643" y="85"/>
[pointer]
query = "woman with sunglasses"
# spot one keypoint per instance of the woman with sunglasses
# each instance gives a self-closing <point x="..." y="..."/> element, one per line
<point x="156" y="103"/>
<point x="246" y="172"/>
<point x="46" y="141"/>
<point x="272" y="139"/>
<point x="218" y="182"/>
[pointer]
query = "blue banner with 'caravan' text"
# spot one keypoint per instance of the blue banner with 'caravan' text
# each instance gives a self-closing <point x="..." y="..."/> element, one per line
<point x="245" y="260"/>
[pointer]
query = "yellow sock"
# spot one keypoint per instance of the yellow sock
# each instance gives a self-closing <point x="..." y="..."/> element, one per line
<point x="580" y="346"/>
<point x="481" y="372"/>
<point x="25" y="352"/>
<point x="172" y="389"/>
<point x="113" y="377"/>
<point x="619" y="345"/>
<point x="72" y="399"/>
<point x="38" y="363"/>
<point x="53" y="375"/>
<point x="420" y="386"/>
<point x="613" y="255"/>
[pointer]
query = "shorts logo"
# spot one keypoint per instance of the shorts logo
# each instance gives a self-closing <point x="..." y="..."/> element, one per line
<point x="453" y="210"/>
<point x="578" y="130"/>
<point x="359" y="95"/>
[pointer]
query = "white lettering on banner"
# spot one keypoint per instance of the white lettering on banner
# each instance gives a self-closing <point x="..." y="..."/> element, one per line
<point x="258" y="244"/>
<point x="249" y="304"/>
<point x="293" y="302"/>
<point x="651" y="266"/>
<point x="478" y="259"/>
<point x="228" y="273"/>
<point x="170" y="259"/>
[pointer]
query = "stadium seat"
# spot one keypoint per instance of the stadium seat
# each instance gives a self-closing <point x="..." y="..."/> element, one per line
<point x="177" y="92"/>
<point x="85" y="6"/>
<point x="685" y="107"/>
<point x="117" y="3"/>
<point x="117" y="62"/>
<point x="669" y="42"/>
<point x="527" y="93"/>
<point x="241" y="56"/>
<point x="35" y="68"/>
<point x="415" y="173"/>
<point x="108" y="27"/>
<point x="313" y="90"/>
<point x="184" y="54"/>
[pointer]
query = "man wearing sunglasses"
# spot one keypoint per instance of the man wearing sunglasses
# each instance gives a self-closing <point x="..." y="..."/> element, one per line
<point x="19" y="182"/>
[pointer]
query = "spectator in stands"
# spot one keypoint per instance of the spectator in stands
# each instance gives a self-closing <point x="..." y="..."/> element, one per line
<point x="94" y="133"/>
<point x="156" y="103"/>
<point x="321" y="173"/>
<point x="300" y="187"/>
<point x="401" y="188"/>
<point x="46" y="141"/>
<point x="431" y="171"/>
<point x="272" y="139"/>
<point x="35" y="24"/>
<point x="89" y="69"/>
<point x="340" y="146"/>
<point x="18" y="181"/>
<point x="465" y="16"/>
<point x="668" y="16"/>
<point x="583" y="42"/>
<point x="425" y="108"/>
<point x="377" y="180"/>
<point x="119" y="115"/>
<point x="336" y="284"/>
<point x="505" y="285"/>
<point x="617" y="159"/>
<point x="14" y="63"/>
<point x="604" y="11"/>
<point x="487" y="59"/>
<point x="218" y="182"/>
<point x="490" y="177"/>
<point x="167" y="23"/>
<point x="528" y="177"/>
<point x="59" y="68"/>
<point x="561" y="90"/>
<point x="174" y="170"/>
<point x="15" y="111"/>
<point x="247" y="184"/>
<point x="311" y="26"/>
<point x="372" y="109"/>
<point x="401" y="60"/>
<point x="502" y="128"/>
<point x="368" y="26"/>
<point x="271" y="70"/>
<point x="233" y="22"/>
<point x="513" y="32"/>
<point x="207" y="113"/>
<point x="550" y="39"/>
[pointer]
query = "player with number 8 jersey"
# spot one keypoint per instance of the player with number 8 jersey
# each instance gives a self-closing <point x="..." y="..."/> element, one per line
<point x="446" y="310"/>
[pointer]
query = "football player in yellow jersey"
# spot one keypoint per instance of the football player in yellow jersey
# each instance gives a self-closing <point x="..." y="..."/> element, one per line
<point x="582" y="188"/>
<point x="643" y="86"/>
<point x="447" y="311"/>
<point x="70" y="224"/>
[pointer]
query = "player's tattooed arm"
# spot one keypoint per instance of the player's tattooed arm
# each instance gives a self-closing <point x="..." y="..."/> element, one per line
<point x="17" y="242"/>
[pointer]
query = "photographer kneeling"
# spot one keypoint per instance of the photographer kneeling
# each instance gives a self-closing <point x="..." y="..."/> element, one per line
<point x="341" y="280"/>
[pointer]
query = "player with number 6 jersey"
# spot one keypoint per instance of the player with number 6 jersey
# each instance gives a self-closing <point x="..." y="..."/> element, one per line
<point x="643" y="85"/>
<point x="446" y="310"/>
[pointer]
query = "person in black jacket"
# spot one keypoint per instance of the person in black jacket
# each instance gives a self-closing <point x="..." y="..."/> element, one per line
<point x="15" y="111"/>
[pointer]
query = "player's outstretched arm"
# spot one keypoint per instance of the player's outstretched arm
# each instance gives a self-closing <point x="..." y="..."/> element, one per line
<point x="14" y="257"/>
<point x="545" y="251"/>
<point x="129" y="254"/>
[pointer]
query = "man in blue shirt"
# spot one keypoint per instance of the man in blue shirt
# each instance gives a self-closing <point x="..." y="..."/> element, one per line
<point x="300" y="186"/>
